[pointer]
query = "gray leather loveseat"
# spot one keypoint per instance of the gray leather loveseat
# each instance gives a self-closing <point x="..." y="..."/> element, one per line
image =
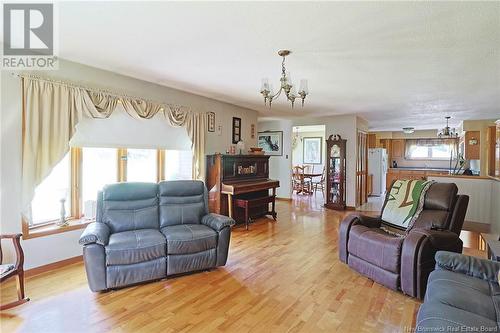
<point x="147" y="231"/>
<point x="462" y="295"/>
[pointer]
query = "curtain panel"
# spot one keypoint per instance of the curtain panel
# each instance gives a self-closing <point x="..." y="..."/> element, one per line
<point x="52" y="110"/>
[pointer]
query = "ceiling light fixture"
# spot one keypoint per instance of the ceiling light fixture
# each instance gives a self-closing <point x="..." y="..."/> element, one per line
<point x="408" y="130"/>
<point x="447" y="132"/>
<point x="286" y="85"/>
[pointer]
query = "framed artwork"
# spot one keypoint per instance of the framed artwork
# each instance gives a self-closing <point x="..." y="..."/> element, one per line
<point x="252" y="131"/>
<point x="211" y="121"/>
<point x="312" y="150"/>
<point x="271" y="142"/>
<point x="236" y="130"/>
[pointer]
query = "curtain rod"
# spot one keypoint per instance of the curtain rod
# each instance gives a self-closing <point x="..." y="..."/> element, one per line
<point x="92" y="89"/>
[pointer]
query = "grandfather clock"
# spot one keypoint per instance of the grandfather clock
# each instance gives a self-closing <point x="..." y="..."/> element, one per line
<point x="335" y="172"/>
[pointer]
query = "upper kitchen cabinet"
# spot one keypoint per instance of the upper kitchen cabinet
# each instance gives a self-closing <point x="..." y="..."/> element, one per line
<point x="372" y="141"/>
<point x="398" y="148"/>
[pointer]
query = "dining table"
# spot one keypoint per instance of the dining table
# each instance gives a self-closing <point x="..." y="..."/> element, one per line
<point x="309" y="176"/>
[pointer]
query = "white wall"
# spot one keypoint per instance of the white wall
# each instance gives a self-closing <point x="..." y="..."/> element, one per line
<point x="45" y="250"/>
<point x="484" y="199"/>
<point x="495" y="206"/>
<point x="280" y="166"/>
<point x="298" y="151"/>
<point x="346" y="126"/>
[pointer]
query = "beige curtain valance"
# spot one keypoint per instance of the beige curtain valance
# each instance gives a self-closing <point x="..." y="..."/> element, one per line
<point x="52" y="110"/>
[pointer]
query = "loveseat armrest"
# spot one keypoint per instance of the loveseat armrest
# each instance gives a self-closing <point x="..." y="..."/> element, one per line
<point x="96" y="232"/>
<point x="217" y="222"/>
<point x="479" y="268"/>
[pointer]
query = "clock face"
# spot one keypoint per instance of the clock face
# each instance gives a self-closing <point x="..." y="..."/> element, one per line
<point x="335" y="151"/>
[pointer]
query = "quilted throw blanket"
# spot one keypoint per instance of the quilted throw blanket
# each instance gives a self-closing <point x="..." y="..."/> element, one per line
<point x="404" y="203"/>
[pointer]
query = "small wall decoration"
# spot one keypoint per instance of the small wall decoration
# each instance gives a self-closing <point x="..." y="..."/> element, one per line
<point x="252" y="131"/>
<point x="473" y="141"/>
<point x="236" y="130"/>
<point x="312" y="150"/>
<point x="211" y="121"/>
<point x="271" y="142"/>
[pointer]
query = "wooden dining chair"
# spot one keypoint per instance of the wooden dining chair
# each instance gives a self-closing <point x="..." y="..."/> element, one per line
<point x="320" y="185"/>
<point x="10" y="270"/>
<point x="300" y="184"/>
<point x="308" y="169"/>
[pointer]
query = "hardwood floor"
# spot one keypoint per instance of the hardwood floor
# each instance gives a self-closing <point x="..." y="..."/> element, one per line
<point x="280" y="277"/>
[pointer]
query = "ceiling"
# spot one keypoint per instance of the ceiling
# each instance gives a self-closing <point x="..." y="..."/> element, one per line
<point x="394" y="63"/>
<point x="309" y="128"/>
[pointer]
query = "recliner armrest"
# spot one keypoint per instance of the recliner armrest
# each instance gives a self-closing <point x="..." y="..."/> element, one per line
<point x="440" y="239"/>
<point x="479" y="268"/>
<point x="96" y="232"/>
<point x="367" y="221"/>
<point x="217" y="222"/>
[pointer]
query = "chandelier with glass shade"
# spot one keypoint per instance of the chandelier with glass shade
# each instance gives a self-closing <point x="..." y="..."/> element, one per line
<point x="447" y="132"/>
<point x="286" y="85"/>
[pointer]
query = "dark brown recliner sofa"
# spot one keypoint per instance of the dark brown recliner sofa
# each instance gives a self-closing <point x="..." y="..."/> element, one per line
<point x="404" y="263"/>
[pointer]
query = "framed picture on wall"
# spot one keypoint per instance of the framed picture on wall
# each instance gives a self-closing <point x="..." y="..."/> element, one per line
<point x="312" y="150"/>
<point x="211" y="121"/>
<point x="236" y="130"/>
<point x="271" y="142"/>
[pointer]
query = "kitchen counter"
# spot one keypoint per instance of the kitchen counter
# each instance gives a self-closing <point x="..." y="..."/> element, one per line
<point x="420" y="169"/>
<point x="458" y="176"/>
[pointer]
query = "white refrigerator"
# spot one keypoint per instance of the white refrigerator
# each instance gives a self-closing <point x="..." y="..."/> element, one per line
<point x="377" y="166"/>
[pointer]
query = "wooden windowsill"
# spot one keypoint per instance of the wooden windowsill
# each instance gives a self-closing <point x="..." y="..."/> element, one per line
<point x="52" y="228"/>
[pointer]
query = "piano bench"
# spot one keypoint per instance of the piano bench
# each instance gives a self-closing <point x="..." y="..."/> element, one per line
<point x="255" y="207"/>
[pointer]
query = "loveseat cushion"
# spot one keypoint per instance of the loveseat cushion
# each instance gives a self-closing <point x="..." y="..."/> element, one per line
<point x="182" y="202"/>
<point x="464" y="292"/>
<point x="189" y="238"/>
<point x="128" y="206"/>
<point x="376" y="246"/>
<point x="132" y="219"/>
<point x="130" y="247"/>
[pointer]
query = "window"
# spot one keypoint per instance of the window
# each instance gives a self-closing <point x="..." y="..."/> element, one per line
<point x="141" y="165"/>
<point x="430" y="149"/>
<point x="46" y="204"/>
<point x="99" y="167"/>
<point x="178" y="164"/>
<point x="84" y="171"/>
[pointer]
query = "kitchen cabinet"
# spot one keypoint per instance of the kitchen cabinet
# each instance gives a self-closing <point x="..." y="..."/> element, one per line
<point x="398" y="148"/>
<point x="391" y="176"/>
<point x="394" y="173"/>
<point x="472" y="144"/>
<point x="386" y="144"/>
<point x="372" y="141"/>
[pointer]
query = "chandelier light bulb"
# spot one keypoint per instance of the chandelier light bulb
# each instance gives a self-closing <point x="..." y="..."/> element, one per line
<point x="303" y="86"/>
<point x="265" y="85"/>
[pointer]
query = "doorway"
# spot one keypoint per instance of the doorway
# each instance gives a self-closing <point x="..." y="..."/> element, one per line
<point x="308" y="165"/>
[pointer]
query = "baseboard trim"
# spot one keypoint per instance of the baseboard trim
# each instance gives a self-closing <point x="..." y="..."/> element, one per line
<point x="52" y="266"/>
<point x="283" y="199"/>
<point x="477" y="227"/>
<point x="350" y="208"/>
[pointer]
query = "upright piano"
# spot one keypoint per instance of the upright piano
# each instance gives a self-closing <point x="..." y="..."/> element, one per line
<point x="239" y="185"/>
